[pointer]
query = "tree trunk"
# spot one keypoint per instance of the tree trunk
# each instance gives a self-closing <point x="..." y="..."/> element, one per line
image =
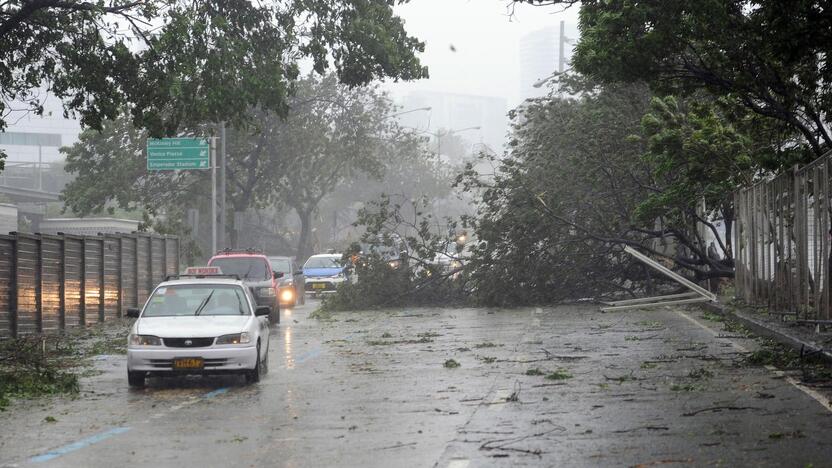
<point x="304" y="242"/>
<point x="728" y="219"/>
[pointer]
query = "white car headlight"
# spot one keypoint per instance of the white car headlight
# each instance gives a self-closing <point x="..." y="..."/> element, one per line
<point x="265" y="292"/>
<point x="287" y="295"/>
<point x="143" y="340"/>
<point x="237" y="338"/>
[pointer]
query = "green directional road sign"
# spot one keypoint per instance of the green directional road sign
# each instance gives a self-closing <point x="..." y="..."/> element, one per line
<point x="169" y="154"/>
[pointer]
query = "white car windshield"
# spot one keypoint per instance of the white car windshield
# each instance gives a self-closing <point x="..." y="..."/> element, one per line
<point x="323" y="262"/>
<point x="197" y="299"/>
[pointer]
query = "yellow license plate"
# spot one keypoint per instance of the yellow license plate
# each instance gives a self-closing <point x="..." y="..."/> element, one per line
<point x="188" y="363"/>
<point x="318" y="285"/>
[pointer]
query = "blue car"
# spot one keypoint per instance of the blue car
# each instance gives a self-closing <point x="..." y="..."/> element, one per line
<point x="324" y="273"/>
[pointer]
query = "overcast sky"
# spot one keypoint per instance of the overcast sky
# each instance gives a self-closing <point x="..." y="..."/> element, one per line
<point x="486" y="41"/>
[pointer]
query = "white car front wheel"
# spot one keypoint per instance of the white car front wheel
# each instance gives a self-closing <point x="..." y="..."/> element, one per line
<point x="253" y="376"/>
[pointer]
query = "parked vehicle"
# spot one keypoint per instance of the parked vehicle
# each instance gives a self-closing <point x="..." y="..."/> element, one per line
<point x="291" y="285"/>
<point x="198" y="325"/>
<point x="394" y="252"/>
<point x="255" y="271"/>
<point x="325" y="272"/>
<point x="451" y="259"/>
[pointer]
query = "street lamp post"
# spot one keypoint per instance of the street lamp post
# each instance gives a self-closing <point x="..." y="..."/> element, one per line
<point x="449" y="132"/>
<point x="409" y="111"/>
<point x="543" y="81"/>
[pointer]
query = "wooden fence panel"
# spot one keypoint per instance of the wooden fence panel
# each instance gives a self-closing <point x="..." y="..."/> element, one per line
<point x="128" y="273"/>
<point x="171" y="256"/>
<point x="782" y="240"/>
<point x="92" y="280"/>
<point x="143" y="266"/>
<point x="158" y="266"/>
<point x="27" y="282"/>
<point x="7" y="325"/>
<point x="51" y="283"/>
<point x="111" y="279"/>
<point x="73" y="281"/>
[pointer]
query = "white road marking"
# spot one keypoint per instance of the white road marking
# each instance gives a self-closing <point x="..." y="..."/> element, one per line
<point x="500" y="399"/>
<point x="808" y="391"/>
<point x="713" y="332"/>
<point x="459" y="463"/>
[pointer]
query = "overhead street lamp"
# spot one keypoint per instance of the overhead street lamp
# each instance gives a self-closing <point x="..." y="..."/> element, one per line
<point x="554" y="75"/>
<point x="438" y="134"/>
<point x="409" y="111"/>
<point x="449" y="132"/>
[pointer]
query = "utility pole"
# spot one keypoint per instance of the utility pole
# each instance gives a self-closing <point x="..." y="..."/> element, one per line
<point x="561" y="44"/>
<point x="40" y="167"/>
<point x="222" y="163"/>
<point x="213" y="196"/>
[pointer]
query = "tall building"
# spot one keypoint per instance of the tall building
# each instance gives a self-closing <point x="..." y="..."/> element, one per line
<point x="542" y="53"/>
<point x="32" y="138"/>
<point x="453" y="112"/>
<point x="32" y="142"/>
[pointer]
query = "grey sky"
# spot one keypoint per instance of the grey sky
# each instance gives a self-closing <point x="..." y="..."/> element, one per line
<point x="486" y="41"/>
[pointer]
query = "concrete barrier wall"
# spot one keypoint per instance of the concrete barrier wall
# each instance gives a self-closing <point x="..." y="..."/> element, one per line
<point x="52" y="282"/>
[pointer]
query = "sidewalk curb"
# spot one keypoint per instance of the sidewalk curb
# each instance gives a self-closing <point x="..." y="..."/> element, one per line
<point x="764" y="329"/>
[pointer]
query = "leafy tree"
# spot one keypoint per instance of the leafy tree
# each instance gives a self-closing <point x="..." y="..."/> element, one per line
<point x="111" y="176"/>
<point x="768" y="55"/>
<point x="697" y="158"/>
<point x="392" y="222"/>
<point x="178" y="64"/>
<point x="561" y="202"/>
<point x="111" y="172"/>
<point x="408" y="171"/>
<point x="334" y="135"/>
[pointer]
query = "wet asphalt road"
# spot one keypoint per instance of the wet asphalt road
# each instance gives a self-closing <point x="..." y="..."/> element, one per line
<point x="659" y="387"/>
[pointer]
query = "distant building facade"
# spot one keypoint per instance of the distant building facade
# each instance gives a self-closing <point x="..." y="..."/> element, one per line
<point x="87" y="226"/>
<point x="8" y="218"/>
<point x="453" y="111"/>
<point x="33" y="138"/>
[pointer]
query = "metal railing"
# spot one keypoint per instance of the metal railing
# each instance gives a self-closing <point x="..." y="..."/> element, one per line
<point x="782" y="242"/>
<point x="51" y="283"/>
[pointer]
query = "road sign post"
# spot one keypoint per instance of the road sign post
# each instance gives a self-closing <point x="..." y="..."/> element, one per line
<point x="174" y="154"/>
<point x="213" y="195"/>
<point x="221" y="235"/>
<point x="171" y="154"/>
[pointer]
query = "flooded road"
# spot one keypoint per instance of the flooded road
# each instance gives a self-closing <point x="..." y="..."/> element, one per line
<point x="566" y="386"/>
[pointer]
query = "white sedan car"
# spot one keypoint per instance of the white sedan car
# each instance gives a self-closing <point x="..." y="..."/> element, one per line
<point x="198" y="326"/>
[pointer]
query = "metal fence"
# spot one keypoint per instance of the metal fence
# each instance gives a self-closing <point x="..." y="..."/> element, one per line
<point x="782" y="242"/>
<point x="50" y="283"/>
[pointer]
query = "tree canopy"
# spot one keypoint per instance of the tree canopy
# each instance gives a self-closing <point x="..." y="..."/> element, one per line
<point x="177" y="64"/>
<point x="768" y="55"/>
<point x="335" y="136"/>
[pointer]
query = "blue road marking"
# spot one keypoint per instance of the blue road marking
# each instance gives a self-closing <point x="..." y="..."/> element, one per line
<point x="99" y="437"/>
<point x="308" y="355"/>
<point x="79" y="445"/>
<point x="216" y="392"/>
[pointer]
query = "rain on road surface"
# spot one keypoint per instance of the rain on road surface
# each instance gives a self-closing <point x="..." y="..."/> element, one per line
<point x="371" y="389"/>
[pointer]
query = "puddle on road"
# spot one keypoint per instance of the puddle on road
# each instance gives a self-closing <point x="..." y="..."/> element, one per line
<point x="288" y="358"/>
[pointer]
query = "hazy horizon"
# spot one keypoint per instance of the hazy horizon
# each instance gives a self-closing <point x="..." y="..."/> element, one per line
<point x="485" y="40"/>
